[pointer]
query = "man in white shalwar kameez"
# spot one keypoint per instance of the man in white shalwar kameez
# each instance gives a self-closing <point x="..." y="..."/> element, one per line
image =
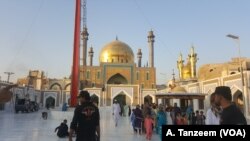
<point x="116" y="112"/>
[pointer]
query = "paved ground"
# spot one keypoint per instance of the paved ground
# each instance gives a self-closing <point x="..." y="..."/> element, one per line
<point x="30" y="127"/>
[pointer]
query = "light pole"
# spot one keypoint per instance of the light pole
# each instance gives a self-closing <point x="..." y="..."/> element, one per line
<point x="237" y="40"/>
<point x="9" y="74"/>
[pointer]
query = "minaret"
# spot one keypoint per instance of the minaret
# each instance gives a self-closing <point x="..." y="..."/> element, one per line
<point x="173" y="74"/>
<point x="180" y="66"/>
<point x="91" y="54"/>
<point x="193" y="60"/>
<point x="151" y="40"/>
<point x="139" y="56"/>
<point x="85" y="38"/>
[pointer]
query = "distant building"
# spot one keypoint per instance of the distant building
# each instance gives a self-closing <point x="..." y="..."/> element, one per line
<point x="197" y="88"/>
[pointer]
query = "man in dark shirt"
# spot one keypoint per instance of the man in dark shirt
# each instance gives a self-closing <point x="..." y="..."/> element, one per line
<point x="230" y="114"/>
<point x="85" y="122"/>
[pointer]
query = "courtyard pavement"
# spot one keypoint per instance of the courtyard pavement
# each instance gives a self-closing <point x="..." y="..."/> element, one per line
<point x="31" y="127"/>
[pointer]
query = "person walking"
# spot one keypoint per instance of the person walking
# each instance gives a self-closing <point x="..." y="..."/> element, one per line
<point x="168" y="114"/>
<point x="116" y="112"/>
<point x="138" y="119"/>
<point x="213" y="113"/>
<point x="86" y="120"/>
<point x="129" y="111"/>
<point x="148" y="124"/>
<point x="161" y="120"/>
<point x="176" y="110"/>
<point x="132" y="120"/>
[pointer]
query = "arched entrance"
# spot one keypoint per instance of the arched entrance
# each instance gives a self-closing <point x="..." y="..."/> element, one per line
<point x="56" y="87"/>
<point x="122" y="99"/>
<point x="148" y="99"/>
<point x="50" y="102"/>
<point x="238" y="100"/>
<point x="67" y="87"/>
<point x="95" y="98"/>
<point x="117" y="79"/>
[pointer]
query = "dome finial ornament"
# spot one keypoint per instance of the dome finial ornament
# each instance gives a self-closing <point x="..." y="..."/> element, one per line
<point x="116" y="38"/>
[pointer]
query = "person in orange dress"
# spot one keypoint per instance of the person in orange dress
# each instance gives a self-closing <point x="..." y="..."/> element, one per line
<point x="148" y="122"/>
<point x="178" y="119"/>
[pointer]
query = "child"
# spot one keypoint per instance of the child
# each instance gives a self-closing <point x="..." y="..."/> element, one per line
<point x="202" y="118"/>
<point x="184" y="119"/>
<point x="178" y="119"/>
<point x="148" y="126"/>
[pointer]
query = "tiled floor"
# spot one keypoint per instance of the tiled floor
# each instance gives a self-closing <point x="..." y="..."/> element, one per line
<point x="30" y="127"/>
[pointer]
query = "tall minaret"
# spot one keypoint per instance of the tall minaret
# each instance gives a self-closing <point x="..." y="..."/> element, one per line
<point x="139" y="56"/>
<point x="85" y="38"/>
<point x="173" y="74"/>
<point x="91" y="54"/>
<point x="180" y="66"/>
<point x="151" y="40"/>
<point x="193" y="59"/>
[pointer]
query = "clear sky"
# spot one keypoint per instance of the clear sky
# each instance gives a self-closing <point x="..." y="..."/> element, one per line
<point x="38" y="34"/>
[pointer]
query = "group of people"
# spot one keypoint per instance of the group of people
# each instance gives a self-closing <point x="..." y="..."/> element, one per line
<point x="150" y="117"/>
<point x="223" y="111"/>
<point x="146" y="118"/>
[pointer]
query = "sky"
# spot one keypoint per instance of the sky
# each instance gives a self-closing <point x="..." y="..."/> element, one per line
<point x="38" y="34"/>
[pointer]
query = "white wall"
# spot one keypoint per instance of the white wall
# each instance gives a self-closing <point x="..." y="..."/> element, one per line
<point x="196" y="104"/>
<point x="177" y="101"/>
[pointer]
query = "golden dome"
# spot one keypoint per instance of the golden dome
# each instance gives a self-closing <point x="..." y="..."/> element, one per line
<point x="178" y="89"/>
<point x="116" y="52"/>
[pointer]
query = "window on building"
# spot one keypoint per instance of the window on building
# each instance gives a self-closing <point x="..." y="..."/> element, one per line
<point x="98" y="75"/>
<point x="137" y="75"/>
<point x="88" y="74"/>
<point x="142" y="86"/>
<point x="153" y="86"/>
<point x="201" y="104"/>
<point x="147" y="76"/>
<point x="93" y="84"/>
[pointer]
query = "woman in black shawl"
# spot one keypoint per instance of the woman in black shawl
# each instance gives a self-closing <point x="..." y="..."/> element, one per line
<point x="138" y="119"/>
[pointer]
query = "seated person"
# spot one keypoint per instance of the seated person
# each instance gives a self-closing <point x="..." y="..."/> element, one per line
<point x="44" y="115"/>
<point x="62" y="129"/>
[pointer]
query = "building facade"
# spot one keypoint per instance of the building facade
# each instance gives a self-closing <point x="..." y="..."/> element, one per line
<point x="117" y="76"/>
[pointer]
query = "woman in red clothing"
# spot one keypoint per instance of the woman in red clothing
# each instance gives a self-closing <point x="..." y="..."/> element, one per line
<point x="148" y="122"/>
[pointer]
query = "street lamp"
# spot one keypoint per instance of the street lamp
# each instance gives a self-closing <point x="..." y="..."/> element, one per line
<point x="237" y="40"/>
<point x="9" y="74"/>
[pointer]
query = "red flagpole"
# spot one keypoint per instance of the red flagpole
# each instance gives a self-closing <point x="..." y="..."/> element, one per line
<point x="76" y="55"/>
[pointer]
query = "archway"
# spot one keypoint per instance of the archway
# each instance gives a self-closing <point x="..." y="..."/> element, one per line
<point x="50" y="102"/>
<point x="122" y="99"/>
<point x="117" y="79"/>
<point x="56" y="86"/>
<point x="148" y="99"/>
<point x="67" y="87"/>
<point x="238" y="100"/>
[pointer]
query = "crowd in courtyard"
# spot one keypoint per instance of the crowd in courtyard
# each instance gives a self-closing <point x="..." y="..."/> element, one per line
<point x="147" y="119"/>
